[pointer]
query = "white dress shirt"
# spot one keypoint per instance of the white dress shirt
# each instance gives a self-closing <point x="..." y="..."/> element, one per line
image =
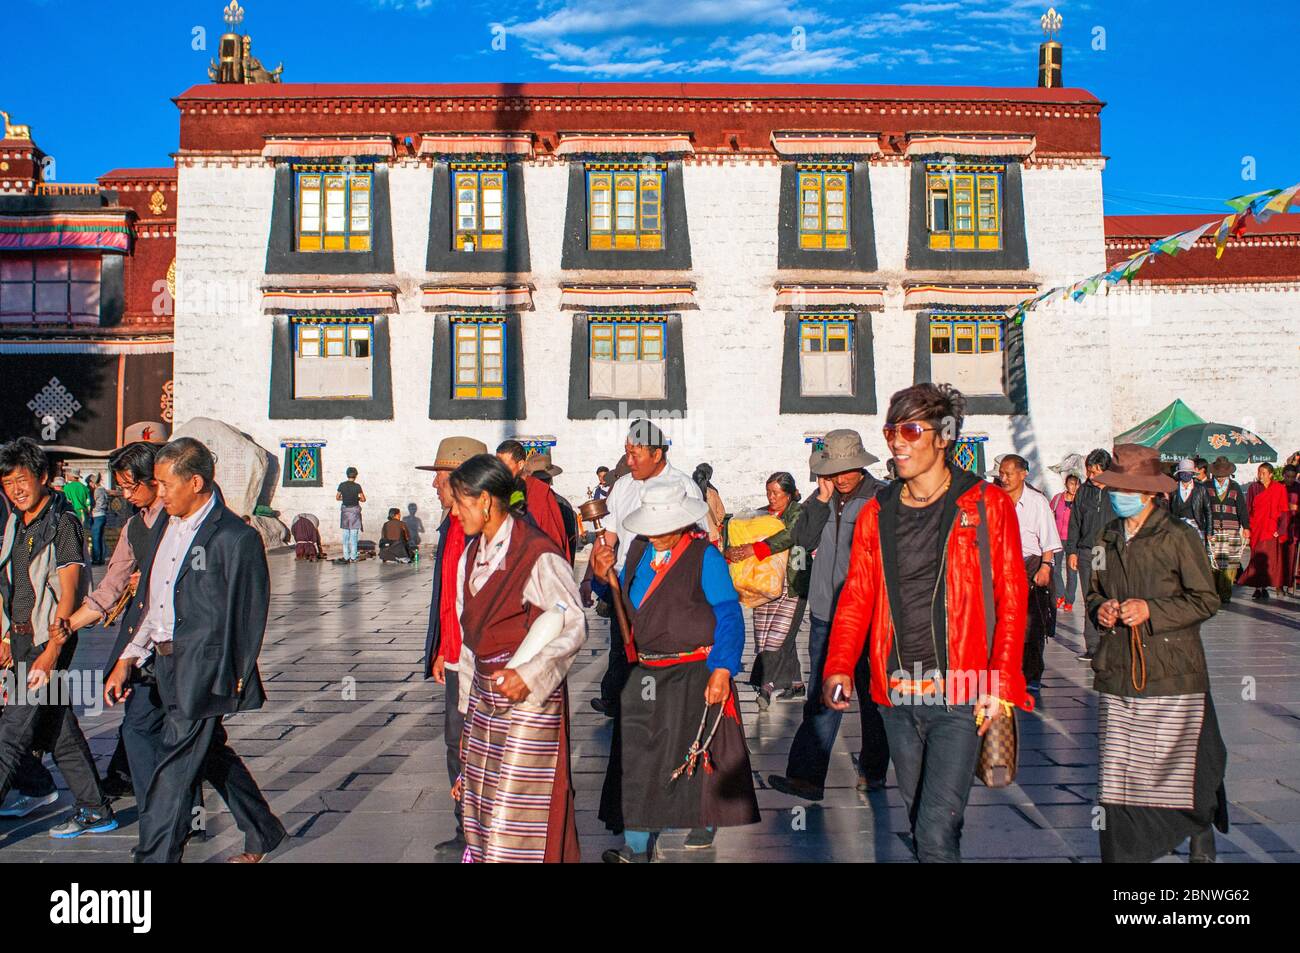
<point x="625" y="498"/>
<point x="550" y="581"/>
<point x="1038" y="533"/>
<point x="158" y="623"/>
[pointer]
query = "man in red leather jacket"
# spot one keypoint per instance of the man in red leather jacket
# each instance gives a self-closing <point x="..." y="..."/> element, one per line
<point x="917" y="585"/>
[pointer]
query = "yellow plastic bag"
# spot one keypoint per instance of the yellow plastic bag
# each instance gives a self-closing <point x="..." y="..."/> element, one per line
<point x="757" y="580"/>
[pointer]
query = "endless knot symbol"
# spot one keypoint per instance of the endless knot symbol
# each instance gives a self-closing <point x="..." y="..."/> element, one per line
<point x="54" y="400"/>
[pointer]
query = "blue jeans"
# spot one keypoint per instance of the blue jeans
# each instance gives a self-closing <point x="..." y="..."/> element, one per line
<point x="934" y="751"/>
<point x="810" y="753"/>
<point x="350" y="539"/>
<point x="97" y="538"/>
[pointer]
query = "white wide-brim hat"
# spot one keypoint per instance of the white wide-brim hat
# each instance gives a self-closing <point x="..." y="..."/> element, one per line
<point x="665" y="507"/>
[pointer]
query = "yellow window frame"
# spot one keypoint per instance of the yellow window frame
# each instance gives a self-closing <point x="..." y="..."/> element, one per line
<point x="974" y="203"/>
<point x="819" y="187"/>
<point x="477" y="334"/>
<point x="629" y="188"/>
<point x="323" y="192"/>
<point x="484" y="185"/>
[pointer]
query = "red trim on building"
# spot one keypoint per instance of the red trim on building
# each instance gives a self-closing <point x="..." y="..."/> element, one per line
<point x="728" y="118"/>
<point x="1265" y="253"/>
<point x="746" y="91"/>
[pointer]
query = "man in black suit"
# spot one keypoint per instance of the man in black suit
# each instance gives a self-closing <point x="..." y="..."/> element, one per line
<point x="200" y="611"/>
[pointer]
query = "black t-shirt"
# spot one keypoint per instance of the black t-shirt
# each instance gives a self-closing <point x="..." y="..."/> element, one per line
<point x="350" y="490"/>
<point x="919" y="552"/>
<point x="69" y="548"/>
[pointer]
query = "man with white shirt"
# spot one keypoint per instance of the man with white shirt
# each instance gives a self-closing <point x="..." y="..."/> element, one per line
<point x="647" y="459"/>
<point x="1040" y="545"/>
<point x="200" y="612"/>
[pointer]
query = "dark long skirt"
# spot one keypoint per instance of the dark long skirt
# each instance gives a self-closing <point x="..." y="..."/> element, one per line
<point x="779" y="667"/>
<point x="1161" y="774"/>
<point x="659" y="714"/>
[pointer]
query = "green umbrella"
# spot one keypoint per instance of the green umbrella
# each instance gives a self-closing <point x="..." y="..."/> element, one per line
<point x="1210" y="440"/>
<point x="1149" y="432"/>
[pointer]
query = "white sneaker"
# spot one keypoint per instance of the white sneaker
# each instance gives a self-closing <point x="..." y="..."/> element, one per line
<point x="18" y="804"/>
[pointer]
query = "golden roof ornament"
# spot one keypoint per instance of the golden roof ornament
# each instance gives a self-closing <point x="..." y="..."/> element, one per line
<point x="157" y="204"/>
<point x="1050" y="51"/>
<point x="1051" y="23"/>
<point x="14" y="130"/>
<point x="236" y="63"/>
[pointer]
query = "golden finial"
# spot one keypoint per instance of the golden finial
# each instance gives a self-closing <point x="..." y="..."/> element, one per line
<point x="1051" y="21"/>
<point x="233" y="14"/>
<point x="14" y="130"/>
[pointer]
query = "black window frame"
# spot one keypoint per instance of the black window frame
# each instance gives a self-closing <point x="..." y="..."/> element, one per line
<point x="441" y="257"/>
<point x="1014" y="253"/>
<point x="861" y="253"/>
<point x="1014" y="400"/>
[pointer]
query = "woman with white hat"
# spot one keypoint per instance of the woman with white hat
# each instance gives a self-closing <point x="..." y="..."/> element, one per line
<point x="687" y="763"/>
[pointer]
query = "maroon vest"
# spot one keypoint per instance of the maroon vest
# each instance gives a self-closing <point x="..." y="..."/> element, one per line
<point x="676" y="617"/>
<point x="496" y="619"/>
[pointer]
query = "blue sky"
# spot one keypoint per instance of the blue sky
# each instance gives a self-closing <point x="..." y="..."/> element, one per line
<point x="1198" y="93"/>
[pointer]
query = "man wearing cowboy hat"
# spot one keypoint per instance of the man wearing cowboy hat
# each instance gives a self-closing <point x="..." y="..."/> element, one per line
<point x="1190" y="502"/>
<point x="538" y="498"/>
<point x="843" y="488"/>
<point x="442" y="644"/>
<point x="676" y="591"/>
<point x="1229" y="526"/>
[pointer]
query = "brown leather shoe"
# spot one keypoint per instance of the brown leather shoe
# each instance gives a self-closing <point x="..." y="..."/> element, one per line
<point x="246" y="858"/>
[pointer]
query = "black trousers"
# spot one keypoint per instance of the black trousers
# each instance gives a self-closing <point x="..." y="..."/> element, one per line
<point x="1040" y="621"/>
<point x="453" y="726"/>
<point x="193" y="750"/>
<point x="33" y="778"/>
<point x="140" y="738"/>
<point x="48" y="726"/>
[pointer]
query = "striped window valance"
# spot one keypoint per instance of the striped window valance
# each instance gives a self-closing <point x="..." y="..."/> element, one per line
<point x="291" y="300"/>
<point x="582" y="297"/>
<point x="797" y="144"/>
<point x="476" y="143"/>
<point x="153" y="345"/>
<point x="858" y="297"/>
<point x="969" y="144"/>
<point x="648" y="143"/>
<point x="488" y="297"/>
<point x="920" y="296"/>
<point x="325" y="147"/>
<point x="101" y="231"/>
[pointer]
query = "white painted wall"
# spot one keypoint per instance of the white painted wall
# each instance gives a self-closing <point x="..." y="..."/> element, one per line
<point x="1083" y="383"/>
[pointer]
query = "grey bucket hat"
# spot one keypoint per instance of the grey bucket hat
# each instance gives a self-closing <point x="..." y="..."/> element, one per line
<point x="841" y="450"/>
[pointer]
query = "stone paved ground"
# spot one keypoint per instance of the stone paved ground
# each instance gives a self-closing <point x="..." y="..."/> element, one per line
<point x="362" y="778"/>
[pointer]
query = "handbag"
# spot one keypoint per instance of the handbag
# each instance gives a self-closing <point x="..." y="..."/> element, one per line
<point x="1000" y="747"/>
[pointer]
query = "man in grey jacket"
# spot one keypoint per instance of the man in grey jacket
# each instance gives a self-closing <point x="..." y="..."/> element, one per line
<point x="826" y="525"/>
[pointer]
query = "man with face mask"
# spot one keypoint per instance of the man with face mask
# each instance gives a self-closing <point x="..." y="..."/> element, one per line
<point x="1190" y="502"/>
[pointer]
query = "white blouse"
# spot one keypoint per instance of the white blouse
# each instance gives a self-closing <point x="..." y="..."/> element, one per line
<point x="550" y="581"/>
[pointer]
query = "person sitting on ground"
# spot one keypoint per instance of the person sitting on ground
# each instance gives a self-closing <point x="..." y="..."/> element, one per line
<point x="395" y="539"/>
